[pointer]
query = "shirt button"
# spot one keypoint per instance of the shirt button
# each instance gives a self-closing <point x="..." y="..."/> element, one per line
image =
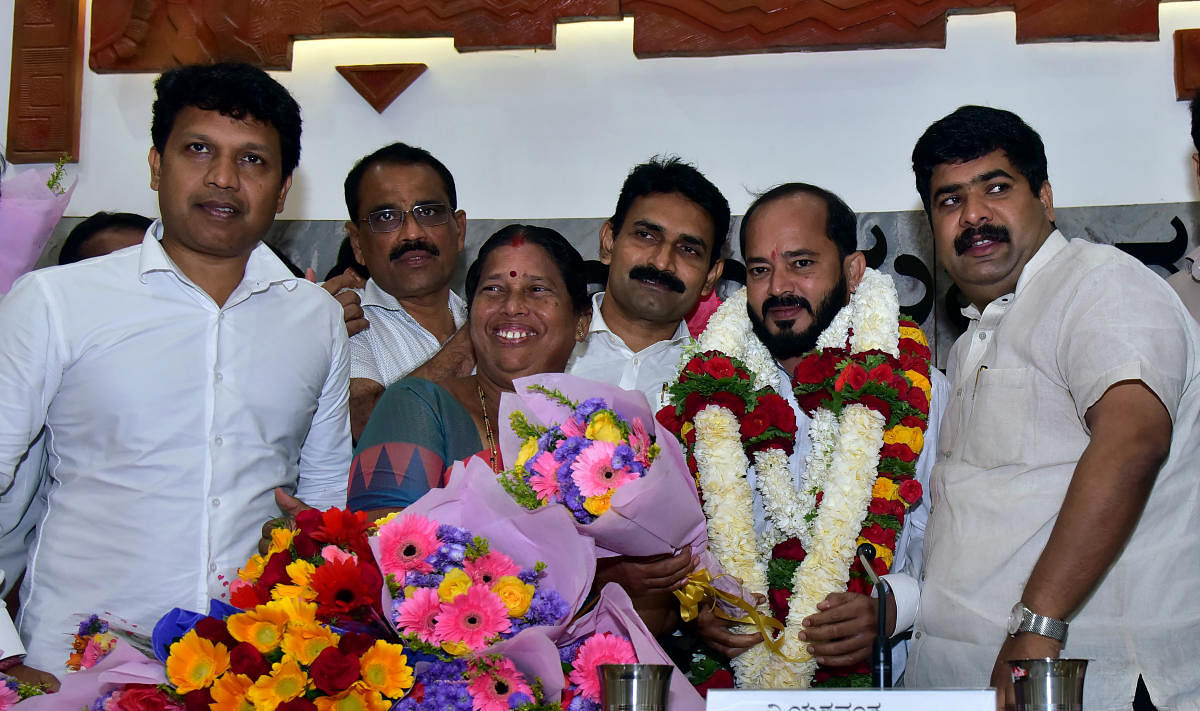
<point x="946" y="453"/>
<point x="218" y="377"/>
<point x="958" y="392"/>
<point x="218" y="440"/>
<point x="212" y="567"/>
<point x="215" y="502"/>
<point x="982" y="336"/>
<point x="917" y="635"/>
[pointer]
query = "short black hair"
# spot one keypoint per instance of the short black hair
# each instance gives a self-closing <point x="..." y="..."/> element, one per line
<point x="972" y="132"/>
<point x="233" y="89"/>
<point x="841" y="224"/>
<point x="562" y="253"/>
<point x="81" y="233"/>
<point x="668" y="175"/>
<point x="1195" y="107"/>
<point x="396" y="154"/>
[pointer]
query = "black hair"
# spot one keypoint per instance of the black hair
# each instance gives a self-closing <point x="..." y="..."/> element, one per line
<point x="972" y="132"/>
<point x="346" y="260"/>
<point x="562" y="253"/>
<point x="98" y="222"/>
<point x="396" y="154"/>
<point x="841" y="224"/>
<point x="233" y="89"/>
<point x="671" y="175"/>
<point x="1195" y="107"/>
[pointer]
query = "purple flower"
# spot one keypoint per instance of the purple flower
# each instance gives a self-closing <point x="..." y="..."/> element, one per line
<point x="517" y="698"/>
<point x="529" y="575"/>
<point x="570" y="448"/>
<point x="546" y="608"/>
<point x="92" y="625"/>
<point x="566" y="654"/>
<point x="589" y="406"/>
<point x="424" y="580"/>
<point x="623" y="457"/>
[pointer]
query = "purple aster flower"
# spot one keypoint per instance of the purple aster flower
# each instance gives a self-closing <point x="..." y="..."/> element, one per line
<point x="424" y="580"/>
<point x="546" y="608"/>
<point x="566" y="654"/>
<point x="517" y="698"/>
<point x="623" y="457"/>
<point x="529" y="575"/>
<point x="569" y="448"/>
<point x="589" y="406"/>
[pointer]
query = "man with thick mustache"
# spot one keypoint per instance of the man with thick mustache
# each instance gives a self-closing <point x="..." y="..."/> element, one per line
<point x="406" y="228"/>
<point x="802" y="263"/>
<point x="1065" y="499"/>
<point x="663" y="248"/>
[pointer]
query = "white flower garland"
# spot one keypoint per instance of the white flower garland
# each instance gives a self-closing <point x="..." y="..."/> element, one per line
<point x="843" y="463"/>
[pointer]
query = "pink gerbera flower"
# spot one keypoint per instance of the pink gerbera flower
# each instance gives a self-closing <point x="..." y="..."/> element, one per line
<point x="416" y="614"/>
<point x="640" y="442"/>
<point x="333" y="554"/>
<point x="491" y="689"/>
<point x="405" y="542"/>
<point x="8" y="698"/>
<point x="573" y="427"/>
<point x="472" y="619"/>
<point x="489" y="568"/>
<point x="605" y="648"/>
<point x="593" y="471"/>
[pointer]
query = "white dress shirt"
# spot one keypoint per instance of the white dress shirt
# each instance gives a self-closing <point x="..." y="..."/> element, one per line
<point x="605" y="357"/>
<point x="170" y="420"/>
<point x="907" y="560"/>
<point x="395" y="344"/>
<point x="10" y="642"/>
<point x="1186" y="282"/>
<point x="1083" y="317"/>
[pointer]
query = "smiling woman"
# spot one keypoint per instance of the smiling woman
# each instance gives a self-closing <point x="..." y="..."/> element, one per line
<point x="528" y="306"/>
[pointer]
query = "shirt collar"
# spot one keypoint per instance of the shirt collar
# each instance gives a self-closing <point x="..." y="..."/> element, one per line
<point x="374" y="295"/>
<point x="1054" y="244"/>
<point x="599" y="326"/>
<point x="263" y="268"/>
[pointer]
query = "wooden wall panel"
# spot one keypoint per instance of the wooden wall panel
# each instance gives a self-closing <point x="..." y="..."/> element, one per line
<point x="47" y="72"/>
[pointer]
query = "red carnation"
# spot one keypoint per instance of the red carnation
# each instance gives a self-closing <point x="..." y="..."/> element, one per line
<point x="878" y="534"/>
<point x="859" y="585"/>
<point x="899" y="451"/>
<point x="853" y="377"/>
<point x="695" y="365"/>
<point x="878" y="405"/>
<point x="781" y="414"/>
<point x="198" y="700"/>
<point x="789" y="550"/>
<point x="910" y="490"/>
<point x="719" y="367"/>
<point x="297" y="704"/>
<point x="245" y="659"/>
<point x="881" y="373"/>
<point x="880" y="567"/>
<point x="333" y="670"/>
<point x="215" y="631"/>
<point x="811" y="402"/>
<point x="695" y="402"/>
<point x="667" y="418"/>
<point x="916" y="398"/>
<point x="778" y="597"/>
<point x="139" y="697"/>
<point x="755" y="423"/>
<point x="913" y="421"/>
<point x="728" y="400"/>
<point x="900" y="384"/>
<point x="815" y="368"/>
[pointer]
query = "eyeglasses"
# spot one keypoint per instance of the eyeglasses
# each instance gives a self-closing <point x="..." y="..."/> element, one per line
<point x="390" y="219"/>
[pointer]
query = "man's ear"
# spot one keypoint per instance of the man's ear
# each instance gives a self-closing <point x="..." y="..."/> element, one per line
<point x="460" y="219"/>
<point x="352" y="233"/>
<point x="606" y="242"/>
<point x="714" y="275"/>
<point x="283" y="191"/>
<point x="583" y="325"/>
<point x="1196" y="167"/>
<point x="1046" y="197"/>
<point x="853" y="268"/>
<point x="155" y="161"/>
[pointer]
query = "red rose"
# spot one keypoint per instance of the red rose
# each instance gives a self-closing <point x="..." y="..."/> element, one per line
<point x="789" y="550"/>
<point x="695" y="402"/>
<point x="691" y="463"/>
<point x="667" y="418"/>
<point x="719" y="367"/>
<point x="755" y="423"/>
<point x="783" y="444"/>
<point x="781" y="414"/>
<point x="878" y="534"/>
<point x="910" y="490"/>
<point x="814" y="368"/>
<point x="913" y="421"/>
<point x="215" y="631"/>
<point x="198" y="700"/>
<point x="304" y="544"/>
<point x="245" y="659"/>
<point x="742" y="374"/>
<point x="275" y="571"/>
<point x="333" y="670"/>
<point x="728" y="400"/>
<point x="914" y="347"/>
<point x="720" y="679"/>
<point x="878" y="405"/>
<point x="297" y="704"/>
<point x="852" y="377"/>
<point x="881" y="373"/>
<point x="911" y="361"/>
<point x="355" y="643"/>
<point x="900" y="384"/>
<point x="880" y="507"/>
<point x="139" y="697"/>
<point x="898" y="451"/>
<point x="308" y="521"/>
<point x="689" y="439"/>
<point x="811" y="402"/>
<point x="778" y="597"/>
<point x="916" y="398"/>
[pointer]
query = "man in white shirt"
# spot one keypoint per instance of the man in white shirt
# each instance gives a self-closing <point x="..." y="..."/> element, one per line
<point x="1065" y="490"/>
<point x="1186" y="281"/>
<point x="406" y="228"/>
<point x="802" y="263"/>
<point x="180" y="382"/>
<point x="663" y="247"/>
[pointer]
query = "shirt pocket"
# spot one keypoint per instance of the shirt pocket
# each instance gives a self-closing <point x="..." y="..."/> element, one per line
<point x="1002" y="413"/>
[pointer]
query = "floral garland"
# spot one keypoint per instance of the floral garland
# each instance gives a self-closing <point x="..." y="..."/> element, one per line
<point x="866" y="389"/>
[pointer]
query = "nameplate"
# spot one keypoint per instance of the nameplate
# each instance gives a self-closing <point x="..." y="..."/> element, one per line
<point x="852" y="700"/>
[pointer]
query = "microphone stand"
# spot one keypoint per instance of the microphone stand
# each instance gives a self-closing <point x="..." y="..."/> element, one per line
<point x="881" y="651"/>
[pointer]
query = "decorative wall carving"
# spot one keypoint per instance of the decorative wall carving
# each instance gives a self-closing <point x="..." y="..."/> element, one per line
<point x="1187" y="63"/>
<point x="380" y="84"/>
<point x="47" y="71"/>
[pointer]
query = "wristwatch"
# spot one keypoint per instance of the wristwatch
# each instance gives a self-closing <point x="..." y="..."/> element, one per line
<point x="1023" y="619"/>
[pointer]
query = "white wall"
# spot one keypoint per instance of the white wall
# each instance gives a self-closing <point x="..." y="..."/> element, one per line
<point x="540" y="134"/>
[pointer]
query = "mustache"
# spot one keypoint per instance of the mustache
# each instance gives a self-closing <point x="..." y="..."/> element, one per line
<point x="423" y="245"/>
<point x="646" y="272"/>
<point x="996" y="233"/>
<point x="785" y="301"/>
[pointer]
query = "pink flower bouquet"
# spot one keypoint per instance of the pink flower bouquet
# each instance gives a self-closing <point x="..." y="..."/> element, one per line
<point x="28" y="213"/>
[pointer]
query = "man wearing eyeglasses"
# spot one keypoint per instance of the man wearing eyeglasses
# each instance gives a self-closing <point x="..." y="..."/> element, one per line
<point x="406" y="229"/>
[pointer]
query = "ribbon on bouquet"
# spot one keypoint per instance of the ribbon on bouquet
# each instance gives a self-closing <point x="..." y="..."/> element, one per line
<point x="699" y="587"/>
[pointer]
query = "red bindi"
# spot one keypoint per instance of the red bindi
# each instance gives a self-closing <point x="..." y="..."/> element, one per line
<point x="774" y="255"/>
<point x="513" y="275"/>
<point x="517" y="240"/>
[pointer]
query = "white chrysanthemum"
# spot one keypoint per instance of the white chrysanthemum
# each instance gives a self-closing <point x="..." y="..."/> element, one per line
<point x="729" y="331"/>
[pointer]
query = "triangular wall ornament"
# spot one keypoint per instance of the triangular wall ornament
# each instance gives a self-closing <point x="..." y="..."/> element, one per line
<point x="380" y="84"/>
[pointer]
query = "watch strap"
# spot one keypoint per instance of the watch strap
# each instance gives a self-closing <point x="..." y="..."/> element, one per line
<point x="1041" y="625"/>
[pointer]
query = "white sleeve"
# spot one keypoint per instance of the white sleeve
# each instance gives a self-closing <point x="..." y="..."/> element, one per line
<point x="325" y="455"/>
<point x="10" y="643"/>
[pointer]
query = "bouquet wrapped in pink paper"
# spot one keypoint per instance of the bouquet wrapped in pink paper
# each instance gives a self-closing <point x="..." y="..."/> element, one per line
<point x="122" y="670"/>
<point x="612" y="633"/>
<point x="29" y="210"/>
<point x="465" y="566"/>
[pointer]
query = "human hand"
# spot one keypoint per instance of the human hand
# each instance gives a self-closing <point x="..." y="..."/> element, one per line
<point x="842" y="631"/>
<point x="648" y="575"/>
<point x="290" y="506"/>
<point x="1024" y="645"/>
<point x="340" y="288"/>
<point x="29" y="675"/>
<point x="719" y="635"/>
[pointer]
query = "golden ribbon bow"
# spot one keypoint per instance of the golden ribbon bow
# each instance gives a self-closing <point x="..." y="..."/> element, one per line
<point x="699" y="588"/>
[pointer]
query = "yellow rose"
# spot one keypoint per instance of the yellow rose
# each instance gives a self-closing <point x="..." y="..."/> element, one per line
<point x="914" y="333"/>
<point x="910" y="436"/>
<point x="596" y="505"/>
<point x="455" y="649"/>
<point x="528" y="449"/>
<point x="919" y="381"/>
<point x="881" y="551"/>
<point x="516" y="594"/>
<point x="604" y="428"/>
<point x="455" y="583"/>
<point x="885" y="489"/>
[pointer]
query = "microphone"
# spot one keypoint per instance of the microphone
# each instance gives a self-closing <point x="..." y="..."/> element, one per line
<point x="881" y="651"/>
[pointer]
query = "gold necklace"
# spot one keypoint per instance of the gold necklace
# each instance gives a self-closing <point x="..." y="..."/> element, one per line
<point x="493" y="455"/>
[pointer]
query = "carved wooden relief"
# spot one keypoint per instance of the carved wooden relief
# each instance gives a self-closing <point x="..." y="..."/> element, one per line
<point x="47" y="71"/>
<point x="380" y="84"/>
<point x="1187" y="63"/>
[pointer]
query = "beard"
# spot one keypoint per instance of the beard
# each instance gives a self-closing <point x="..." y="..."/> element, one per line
<point x="787" y="343"/>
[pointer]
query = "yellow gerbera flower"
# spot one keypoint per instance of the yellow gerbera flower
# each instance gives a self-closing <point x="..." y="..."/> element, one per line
<point x="253" y="569"/>
<point x="914" y="333"/>
<point x="229" y="693"/>
<point x="900" y="434"/>
<point x="355" y="698"/>
<point x="281" y="540"/>
<point x="194" y="662"/>
<point x="298" y="592"/>
<point x="384" y="668"/>
<point x="596" y="505"/>
<point x="300" y="571"/>
<point x="285" y="682"/>
<point x="604" y="428"/>
<point x="454" y="583"/>
<point x="528" y="449"/>
<point x="305" y="641"/>
<point x="263" y="626"/>
<point x="516" y="594"/>
<point x="885" y="489"/>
